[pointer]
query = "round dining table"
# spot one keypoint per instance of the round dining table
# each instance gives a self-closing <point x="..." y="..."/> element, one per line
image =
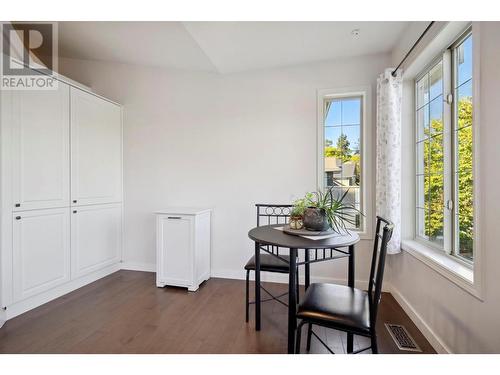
<point x="273" y="240"/>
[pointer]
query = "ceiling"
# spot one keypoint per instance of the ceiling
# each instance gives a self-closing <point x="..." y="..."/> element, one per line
<point x="224" y="47"/>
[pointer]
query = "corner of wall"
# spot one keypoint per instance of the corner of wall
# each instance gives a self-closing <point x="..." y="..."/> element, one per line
<point x="2" y="317"/>
<point x="136" y="266"/>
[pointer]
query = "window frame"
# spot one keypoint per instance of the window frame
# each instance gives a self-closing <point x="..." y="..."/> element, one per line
<point x="366" y="158"/>
<point x="450" y="192"/>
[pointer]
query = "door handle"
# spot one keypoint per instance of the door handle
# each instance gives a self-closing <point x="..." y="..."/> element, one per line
<point x="18" y="217"/>
<point x="18" y="204"/>
<point x="74" y="201"/>
<point x="75" y="212"/>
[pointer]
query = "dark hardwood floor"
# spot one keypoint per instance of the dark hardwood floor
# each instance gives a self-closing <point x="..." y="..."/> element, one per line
<point x="126" y="313"/>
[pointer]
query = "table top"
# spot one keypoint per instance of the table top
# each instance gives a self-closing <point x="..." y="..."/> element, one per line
<point x="268" y="235"/>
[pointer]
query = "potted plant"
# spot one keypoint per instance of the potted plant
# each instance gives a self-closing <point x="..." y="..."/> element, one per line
<point x="324" y="211"/>
<point x="297" y="213"/>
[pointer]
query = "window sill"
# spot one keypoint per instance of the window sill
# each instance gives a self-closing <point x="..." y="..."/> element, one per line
<point x="445" y="265"/>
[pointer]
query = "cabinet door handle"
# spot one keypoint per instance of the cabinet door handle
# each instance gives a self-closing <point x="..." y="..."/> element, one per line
<point x="75" y="212"/>
<point x="18" y="217"/>
<point x="174" y="217"/>
<point x="74" y="201"/>
<point x="18" y="204"/>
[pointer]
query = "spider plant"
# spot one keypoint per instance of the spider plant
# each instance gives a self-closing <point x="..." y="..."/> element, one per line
<point x="338" y="212"/>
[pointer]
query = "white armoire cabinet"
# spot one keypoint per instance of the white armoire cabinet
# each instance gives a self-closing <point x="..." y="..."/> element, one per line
<point x="60" y="192"/>
<point x="40" y="148"/>
<point x="41" y="250"/>
<point x="96" y="237"/>
<point x="96" y="150"/>
<point x="183" y="244"/>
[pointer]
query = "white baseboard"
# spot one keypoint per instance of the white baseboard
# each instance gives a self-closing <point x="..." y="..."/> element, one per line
<point x="436" y="342"/>
<point x="21" y="307"/>
<point x="133" y="266"/>
<point x="283" y="278"/>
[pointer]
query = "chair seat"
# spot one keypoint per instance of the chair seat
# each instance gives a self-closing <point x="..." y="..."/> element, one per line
<point x="336" y="306"/>
<point x="269" y="263"/>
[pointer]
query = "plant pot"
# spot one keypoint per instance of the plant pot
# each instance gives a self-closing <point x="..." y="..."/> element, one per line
<point x="315" y="219"/>
<point x="296" y="222"/>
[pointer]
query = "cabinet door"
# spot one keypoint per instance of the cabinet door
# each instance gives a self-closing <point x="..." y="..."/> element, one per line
<point x="40" y="148"/>
<point x="41" y="251"/>
<point x="96" y="237"/>
<point x="175" y="246"/>
<point x="96" y="150"/>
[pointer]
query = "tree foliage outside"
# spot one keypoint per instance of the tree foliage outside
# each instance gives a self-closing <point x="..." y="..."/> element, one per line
<point x="342" y="151"/>
<point x="465" y="178"/>
<point x="434" y="179"/>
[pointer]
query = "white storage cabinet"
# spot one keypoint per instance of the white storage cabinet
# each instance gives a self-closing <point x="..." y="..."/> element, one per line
<point x="38" y="122"/>
<point x="183" y="245"/>
<point x="41" y="251"/>
<point x="60" y="192"/>
<point x="96" y="150"/>
<point x="96" y="237"/>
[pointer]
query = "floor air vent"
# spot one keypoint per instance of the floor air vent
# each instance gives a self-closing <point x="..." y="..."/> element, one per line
<point x="402" y="338"/>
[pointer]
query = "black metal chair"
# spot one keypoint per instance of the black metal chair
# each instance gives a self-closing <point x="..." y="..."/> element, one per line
<point x="347" y="309"/>
<point x="268" y="214"/>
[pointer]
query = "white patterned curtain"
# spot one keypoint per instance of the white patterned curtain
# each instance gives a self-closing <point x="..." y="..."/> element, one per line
<point x="388" y="176"/>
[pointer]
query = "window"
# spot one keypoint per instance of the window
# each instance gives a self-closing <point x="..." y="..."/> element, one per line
<point x="444" y="154"/>
<point x="341" y="151"/>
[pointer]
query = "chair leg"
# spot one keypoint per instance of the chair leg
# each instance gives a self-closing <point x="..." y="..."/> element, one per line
<point x="247" y="301"/>
<point x="298" y="334"/>
<point x="298" y="286"/>
<point x="309" y="336"/>
<point x="373" y="339"/>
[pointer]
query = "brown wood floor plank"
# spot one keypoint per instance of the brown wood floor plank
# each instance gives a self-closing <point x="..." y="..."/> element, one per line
<point x="125" y="313"/>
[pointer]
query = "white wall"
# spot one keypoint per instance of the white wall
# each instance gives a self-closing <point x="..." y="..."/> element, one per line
<point x="454" y="319"/>
<point x="224" y="141"/>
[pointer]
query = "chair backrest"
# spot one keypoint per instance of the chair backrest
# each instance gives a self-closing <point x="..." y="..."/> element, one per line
<point x="383" y="235"/>
<point x="268" y="214"/>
